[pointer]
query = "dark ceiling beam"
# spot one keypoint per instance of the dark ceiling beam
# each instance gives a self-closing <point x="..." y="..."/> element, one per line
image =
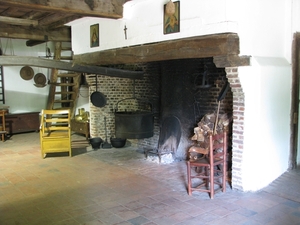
<point x="51" y="18"/>
<point x="62" y="22"/>
<point x="9" y="11"/>
<point x="31" y="43"/>
<point x="194" y="47"/>
<point x="61" y="65"/>
<point x="92" y="8"/>
<point x="21" y="32"/>
<point x="32" y="14"/>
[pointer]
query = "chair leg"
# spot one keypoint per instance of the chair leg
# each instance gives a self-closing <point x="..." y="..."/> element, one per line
<point x="211" y="182"/>
<point x="224" y="177"/>
<point x="3" y="135"/>
<point x="205" y="172"/>
<point x="189" y="178"/>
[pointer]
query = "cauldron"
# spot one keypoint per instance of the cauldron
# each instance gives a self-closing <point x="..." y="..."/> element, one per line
<point x="96" y="142"/>
<point x="118" y="142"/>
<point x="134" y="125"/>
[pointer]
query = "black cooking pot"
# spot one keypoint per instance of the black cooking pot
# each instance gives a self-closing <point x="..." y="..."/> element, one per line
<point x="118" y="142"/>
<point x="96" y="142"/>
<point x="97" y="98"/>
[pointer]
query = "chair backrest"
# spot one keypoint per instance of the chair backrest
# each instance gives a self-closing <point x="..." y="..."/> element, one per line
<point x="218" y="147"/>
<point x="55" y="120"/>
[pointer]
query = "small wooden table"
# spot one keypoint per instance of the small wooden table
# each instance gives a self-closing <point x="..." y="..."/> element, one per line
<point x="81" y="127"/>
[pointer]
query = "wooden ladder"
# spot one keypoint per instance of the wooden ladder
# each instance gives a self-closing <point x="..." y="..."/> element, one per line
<point x="2" y="96"/>
<point x="64" y="87"/>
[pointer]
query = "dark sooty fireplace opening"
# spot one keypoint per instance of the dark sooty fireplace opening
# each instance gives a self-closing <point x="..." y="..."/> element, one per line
<point x="170" y="135"/>
<point x="184" y="100"/>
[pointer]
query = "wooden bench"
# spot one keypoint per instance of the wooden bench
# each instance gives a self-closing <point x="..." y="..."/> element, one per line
<point x="55" y="132"/>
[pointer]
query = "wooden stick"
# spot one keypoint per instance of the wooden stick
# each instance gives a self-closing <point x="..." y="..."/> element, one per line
<point x="216" y="122"/>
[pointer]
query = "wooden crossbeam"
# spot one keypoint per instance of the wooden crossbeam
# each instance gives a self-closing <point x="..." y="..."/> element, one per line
<point x="56" y="64"/>
<point x="23" y="32"/>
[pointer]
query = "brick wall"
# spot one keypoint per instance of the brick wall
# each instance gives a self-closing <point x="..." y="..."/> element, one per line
<point x="122" y="94"/>
<point x="238" y="126"/>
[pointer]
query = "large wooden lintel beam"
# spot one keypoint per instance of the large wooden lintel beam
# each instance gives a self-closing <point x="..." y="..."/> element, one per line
<point x="20" y="32"/>
<point x="231" y="61"/>
<point x="92" y="8"/>
<point x="61" y="65"/>
<point x="195" y="47"/>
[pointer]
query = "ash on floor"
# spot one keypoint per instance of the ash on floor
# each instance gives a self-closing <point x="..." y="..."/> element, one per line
<point x="164" y="159"/>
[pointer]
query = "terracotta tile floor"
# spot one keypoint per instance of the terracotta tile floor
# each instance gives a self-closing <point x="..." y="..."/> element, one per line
<point x="118" y="186"/>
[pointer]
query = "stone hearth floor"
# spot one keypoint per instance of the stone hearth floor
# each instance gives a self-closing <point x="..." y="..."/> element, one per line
<point x="118" y="186"/>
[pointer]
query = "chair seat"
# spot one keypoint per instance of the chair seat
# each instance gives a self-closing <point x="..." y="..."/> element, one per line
<point x="205" y="162"/>
<point x="55" y="135"/>
<point x="211" y="168"/>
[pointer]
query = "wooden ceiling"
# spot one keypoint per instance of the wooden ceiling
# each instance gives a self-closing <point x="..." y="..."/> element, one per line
<point x="44" y="20"/>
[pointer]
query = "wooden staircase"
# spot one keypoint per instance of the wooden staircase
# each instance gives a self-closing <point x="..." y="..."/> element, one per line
<point x="64" y="87"/>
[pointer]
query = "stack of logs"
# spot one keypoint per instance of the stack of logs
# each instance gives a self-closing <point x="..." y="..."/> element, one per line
<point x="206" y="127"/>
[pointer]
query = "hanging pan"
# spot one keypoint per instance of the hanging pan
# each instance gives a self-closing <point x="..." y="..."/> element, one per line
<point x="97" y="98"/>
<point x="26" y="73"/>
<point x="40" y="80"/>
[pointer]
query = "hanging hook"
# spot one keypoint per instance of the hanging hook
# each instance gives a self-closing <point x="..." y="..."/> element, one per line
<point x="1" y="51"/>
<point x="48" y="51"/>
<point x="9" y="42"/>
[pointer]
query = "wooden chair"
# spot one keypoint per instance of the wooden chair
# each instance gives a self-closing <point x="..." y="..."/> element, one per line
<point x="55" y="132"/>
<point x="3" y="131"/>
<point x="209" y="173"/>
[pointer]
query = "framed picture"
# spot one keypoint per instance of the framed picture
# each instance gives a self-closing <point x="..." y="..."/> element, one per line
<point x="171" y="21"/>
<point x="94" y="35"/>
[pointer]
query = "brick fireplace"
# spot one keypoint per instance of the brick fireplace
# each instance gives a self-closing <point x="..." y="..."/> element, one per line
<point x="177" y="89"/>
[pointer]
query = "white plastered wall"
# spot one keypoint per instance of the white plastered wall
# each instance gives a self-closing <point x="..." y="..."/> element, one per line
<point x="143" y="19"/>
<point x="267" y="88"/>
<point x="21" y="95"/>
<point x="266" y="121"/>
<point x="265" y="29"/>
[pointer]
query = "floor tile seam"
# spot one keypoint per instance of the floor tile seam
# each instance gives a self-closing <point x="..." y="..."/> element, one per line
<point x="266" y="214"/>
<point x="284" y="197"/>
<point x="75" y="216"/>
<point x="104" y="220"/>
<point x="16" y="221"/>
